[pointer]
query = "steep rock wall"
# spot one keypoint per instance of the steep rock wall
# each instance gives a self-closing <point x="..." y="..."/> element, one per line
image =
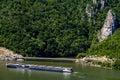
<point x="109" y="26"/>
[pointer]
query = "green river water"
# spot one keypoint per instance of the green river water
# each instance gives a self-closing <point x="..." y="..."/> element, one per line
<point x="80" y="72"/>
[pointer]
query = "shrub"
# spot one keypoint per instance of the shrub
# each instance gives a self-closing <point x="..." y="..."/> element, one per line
<point x="116" y="65"/>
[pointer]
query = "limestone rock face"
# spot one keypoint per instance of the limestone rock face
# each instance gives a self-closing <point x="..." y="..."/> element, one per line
<point x="89" y="10"/>
<point x="109" y="26"/>
<point x="103" y="3"/>
<point x="95" y="1"/>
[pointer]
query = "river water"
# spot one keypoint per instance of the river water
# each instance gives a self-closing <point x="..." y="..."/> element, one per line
<point x="80" y="72"/>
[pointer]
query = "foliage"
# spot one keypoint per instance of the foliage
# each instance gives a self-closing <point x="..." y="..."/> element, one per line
<point x="50" y="28"/>
<point x="116" y="65"/>
<point x="103" y="64"/>
<point x="109" y="47"/>
<point x="80" y="55"/>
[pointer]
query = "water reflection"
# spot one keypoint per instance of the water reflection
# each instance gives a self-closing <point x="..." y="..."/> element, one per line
<point x="18" y="70"/>
<point x="67" y="75"/>
<point x="80" y="73"/>
<point x="29" y="73"/>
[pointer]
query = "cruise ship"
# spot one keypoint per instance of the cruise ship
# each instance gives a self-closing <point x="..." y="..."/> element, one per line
<point x="40" y="67"/>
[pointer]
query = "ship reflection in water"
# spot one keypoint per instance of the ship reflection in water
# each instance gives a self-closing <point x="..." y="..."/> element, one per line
<point x="66" y="75"/>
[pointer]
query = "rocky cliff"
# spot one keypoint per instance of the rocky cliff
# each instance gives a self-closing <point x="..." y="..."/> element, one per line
<point x="98" y="4"/>
<point x="89" y="10"/>
<point x="109" y="26"/>
<point x="102" y="3"/>
<point x="54" y="28"/>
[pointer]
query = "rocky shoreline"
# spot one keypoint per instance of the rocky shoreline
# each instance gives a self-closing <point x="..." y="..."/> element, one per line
<point x="8" y="55"/>
<point x="93" y="60"/>
<point x="96" y="61"/>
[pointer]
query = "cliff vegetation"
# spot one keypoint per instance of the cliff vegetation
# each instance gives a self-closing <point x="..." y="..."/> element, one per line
<point x="57" y="28"/>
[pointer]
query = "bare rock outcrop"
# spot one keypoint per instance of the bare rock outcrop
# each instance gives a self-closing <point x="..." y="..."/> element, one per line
<point x="89" y="10"/>
<point x="103" y="3"/>
<point x="109" y="26"/>
<point x="6" y="54"/>
<point x="95" y="1"/>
